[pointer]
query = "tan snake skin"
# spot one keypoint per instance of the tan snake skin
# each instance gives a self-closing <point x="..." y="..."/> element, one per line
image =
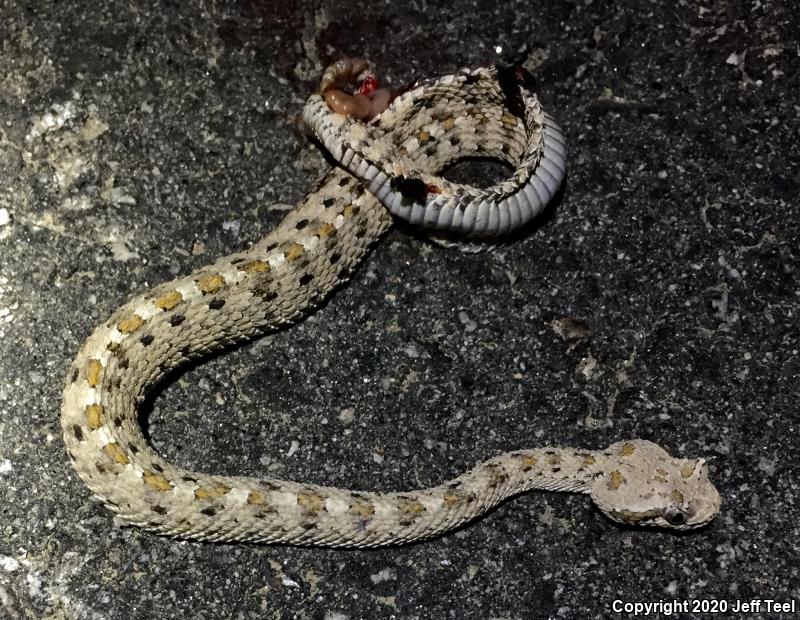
<point x="286" y="275"/>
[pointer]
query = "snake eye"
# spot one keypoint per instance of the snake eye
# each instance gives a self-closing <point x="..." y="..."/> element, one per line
<point x="675" y="516"/>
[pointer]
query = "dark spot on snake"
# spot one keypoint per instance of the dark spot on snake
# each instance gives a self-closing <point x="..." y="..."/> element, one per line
<point x="78" y="432"/>
<point x="555" y="470"/>
<point x="101" y="469"/>
<point x="305" y="279"/>
<point x="265" y="293"/>
<point x="506" y="148"/>
<point x="216" y="304"/>
<point x="158" y="509"/>
<point x="418" y="104"/>
<point x="301" y="224"/>
<point x="472" y="101"/>
<point x="455" y="140"/>
<point x="271" y="247"/>
<point x="75" y="374"/>
<point x="309" y="526"/>
<point x="498" y="476"/>
<point x="158" y="468"/>
<point x="117" y="422"/>
<point x="176" y="320"/>
<point x="188" y="479"/>
<point x="123" y="363"/>
<point x="116" y="382"/>
<point x="147" y="340"/>
<point x="498" y="480"/>
<point x="344" y="181"/>
<point x="361" y="233"/>
<point x="236" y="261"/>
<point x="133" y="449"/>
<point x="264" y="514"/>
<point x="317" y="185"/>
<point x="209" y="512"/>
<point x="328" y="202"/>
<point x="470" y="79"/>
<point x="331" y="245"/>
<point x="414" y="190"/>
<point x="334" y="258"/>
<point x="360" y="191"/>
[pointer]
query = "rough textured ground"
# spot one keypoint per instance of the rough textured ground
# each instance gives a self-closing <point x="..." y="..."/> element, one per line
<point x="659" y="298"/>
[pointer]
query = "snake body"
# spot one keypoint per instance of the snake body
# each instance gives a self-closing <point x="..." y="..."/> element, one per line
<point x="392" y="159"/>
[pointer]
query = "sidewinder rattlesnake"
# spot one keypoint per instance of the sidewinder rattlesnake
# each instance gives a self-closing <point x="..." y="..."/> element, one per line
<point x="390" y="159"/>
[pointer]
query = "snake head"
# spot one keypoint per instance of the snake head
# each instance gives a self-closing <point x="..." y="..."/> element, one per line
<point x="640" y="484"/>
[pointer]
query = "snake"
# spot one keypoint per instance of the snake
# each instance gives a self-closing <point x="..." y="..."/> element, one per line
<point x="388" y="149"/>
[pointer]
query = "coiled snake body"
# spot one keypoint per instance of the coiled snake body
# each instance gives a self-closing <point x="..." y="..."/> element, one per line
<point x="391" y="159"/>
